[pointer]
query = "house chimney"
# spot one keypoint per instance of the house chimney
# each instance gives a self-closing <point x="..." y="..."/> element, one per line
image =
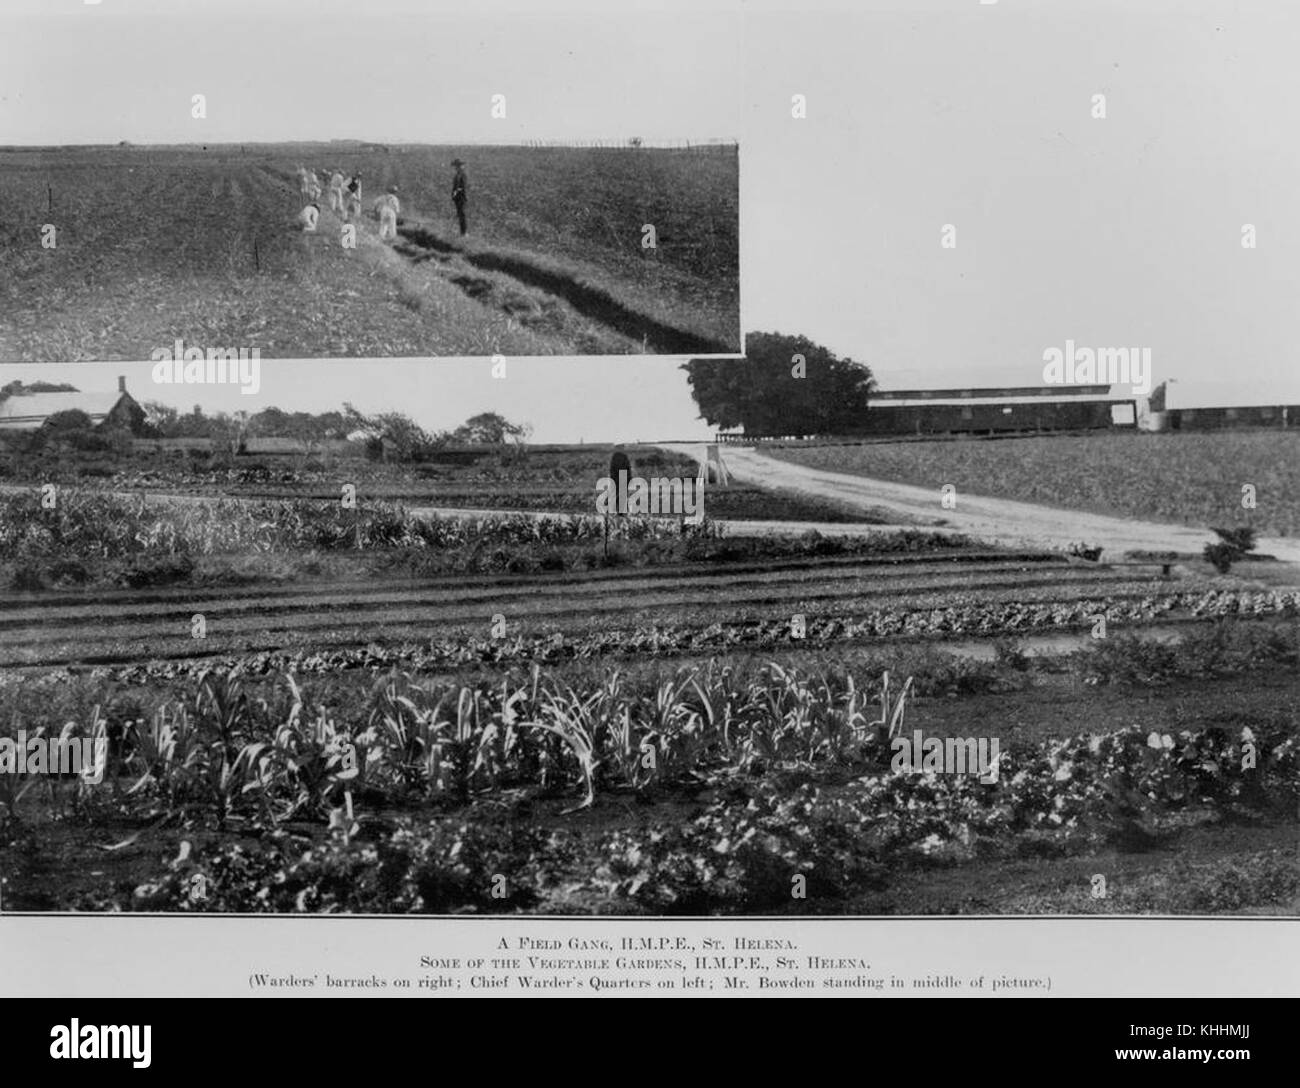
<point x="121" y="383"/>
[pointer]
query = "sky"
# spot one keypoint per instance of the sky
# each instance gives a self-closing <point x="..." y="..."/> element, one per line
<point x="280" y="70"/>
<point x="1117" y="231"/>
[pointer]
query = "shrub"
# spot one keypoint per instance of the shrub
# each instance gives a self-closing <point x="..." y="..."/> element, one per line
<point x="27" y="578"/>
<point x="162" y="570"/>
<point x="69" y="571"/>
<point x="1231" y="546"/>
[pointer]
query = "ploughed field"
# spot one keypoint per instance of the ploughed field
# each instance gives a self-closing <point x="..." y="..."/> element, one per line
<point x="387" y="712"/>
<point x="194" y="243"/>
<point x="669" y="609"/>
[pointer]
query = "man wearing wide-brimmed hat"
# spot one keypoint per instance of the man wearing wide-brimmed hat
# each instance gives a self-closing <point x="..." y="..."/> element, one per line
<point x="458" y="193"/>
<point x="354" y="196"/>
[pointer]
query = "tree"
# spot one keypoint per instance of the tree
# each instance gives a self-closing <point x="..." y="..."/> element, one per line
<point x="169" y="423"/>
<point x="397" y="435"/>
<point x="66" y="422"/>
<point x="231" y="431"/>
<point x="308" y="429"/>
<point x="785" y="385"/>
<point x="18" y="389"/>
<point x="490" y="429"/>
<point x="160" y="420"/>
<point x="1231" y="547"/>
<point x="69" y="429"/>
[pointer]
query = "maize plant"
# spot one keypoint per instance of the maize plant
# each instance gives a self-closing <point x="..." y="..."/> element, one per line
<point x="569" y="718"/>
<point x="841" y="722"/>
<point x="890" y="721"/>
<point x="317" y="759"/>
<point x="169" y="753"/>
<point x="678" y="729"/>
<point x="407" y="734"/>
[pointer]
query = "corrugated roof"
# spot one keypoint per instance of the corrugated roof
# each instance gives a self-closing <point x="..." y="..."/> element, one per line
<point x="30" y="411"/>
<point x="1050" y="392"/>
<point x="983" y="400"/>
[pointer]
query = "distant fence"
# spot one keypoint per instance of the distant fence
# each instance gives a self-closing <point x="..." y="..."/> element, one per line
<point x="895" y="439"/>
<point x="251" y="446"/>
<point x="750" y="439"/>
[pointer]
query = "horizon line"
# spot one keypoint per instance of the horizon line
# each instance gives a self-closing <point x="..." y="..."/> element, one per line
<point x="622" y="141"/>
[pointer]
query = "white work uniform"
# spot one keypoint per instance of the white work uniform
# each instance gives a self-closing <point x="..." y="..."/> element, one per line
<point x="389" y="209"/>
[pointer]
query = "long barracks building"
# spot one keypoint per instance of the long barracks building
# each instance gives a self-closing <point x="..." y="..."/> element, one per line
<point x="1043" y="409"/>
<point x="998" y="411"/>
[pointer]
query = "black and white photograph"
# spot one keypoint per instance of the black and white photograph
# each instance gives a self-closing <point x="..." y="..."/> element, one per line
<point x="398" y="181"/>
<point x="925" y="555"/>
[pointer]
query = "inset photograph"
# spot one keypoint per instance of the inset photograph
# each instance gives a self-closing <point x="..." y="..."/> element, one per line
<point x="407" y="186"/>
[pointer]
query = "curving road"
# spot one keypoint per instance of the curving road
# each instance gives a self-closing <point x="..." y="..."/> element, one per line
<point x="999" y="521"/>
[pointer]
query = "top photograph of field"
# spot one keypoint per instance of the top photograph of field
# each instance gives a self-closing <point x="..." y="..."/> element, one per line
<point x="376" y="191"/>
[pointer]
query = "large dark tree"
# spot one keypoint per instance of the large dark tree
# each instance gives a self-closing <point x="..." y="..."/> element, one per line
<point x="784" y="385"/>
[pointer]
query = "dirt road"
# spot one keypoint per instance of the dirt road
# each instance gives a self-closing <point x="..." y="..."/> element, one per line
<point x="999" y="521"/>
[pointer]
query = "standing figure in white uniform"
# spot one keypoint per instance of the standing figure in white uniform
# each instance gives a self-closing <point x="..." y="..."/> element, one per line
<point x="336" y="192"/>
<point x="388" y="208"/>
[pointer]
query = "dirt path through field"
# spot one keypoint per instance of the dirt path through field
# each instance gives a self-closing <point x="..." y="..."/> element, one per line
<point x="421" y="244"/>
<point x="999" y="521"/>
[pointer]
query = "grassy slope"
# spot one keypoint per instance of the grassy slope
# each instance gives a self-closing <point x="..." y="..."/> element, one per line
<point x="1190" y="479"/>
<point x="584" y="209"/>
<point x="158" y="245"/>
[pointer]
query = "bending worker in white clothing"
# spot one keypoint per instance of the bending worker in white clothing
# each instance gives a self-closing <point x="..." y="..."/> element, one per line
<point x="308" y="217"/>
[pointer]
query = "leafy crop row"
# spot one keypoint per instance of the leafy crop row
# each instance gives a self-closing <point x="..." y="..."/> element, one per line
<point x="749" y="637"/>
<point x="743" y="851"/>
<point x="96" y="525"/>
